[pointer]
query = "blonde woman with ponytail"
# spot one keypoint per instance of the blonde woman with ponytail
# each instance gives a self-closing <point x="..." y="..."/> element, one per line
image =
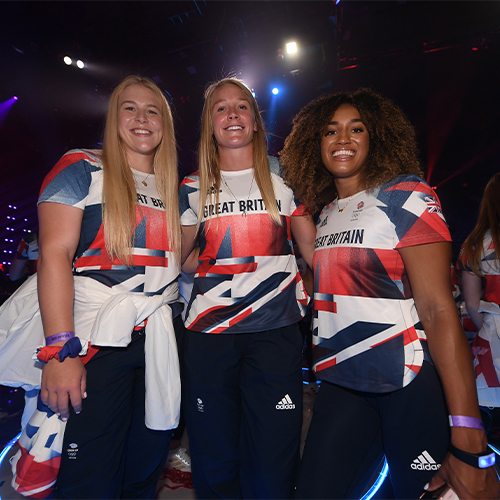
<point x="107" y="275"/>
<point x="242" y="385"/>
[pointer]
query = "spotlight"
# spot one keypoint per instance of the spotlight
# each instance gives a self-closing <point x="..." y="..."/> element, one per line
<point x="253" y="94"/>
<point x="15" y="98"/>
<point x="67" y="60"/>
<point x="80" y="64"/>
<point x="275" y="91"/>
<point x="291" y="47"/>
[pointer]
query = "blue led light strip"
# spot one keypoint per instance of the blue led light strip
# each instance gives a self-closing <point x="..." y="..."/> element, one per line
<point x="378" y="483"/>
<point x="7" y="448"/>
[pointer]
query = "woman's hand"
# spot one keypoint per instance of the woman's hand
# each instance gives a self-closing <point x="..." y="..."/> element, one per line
<point x="62" y="383"/>
<point x="428" y="268"/>
<point x="467" y="481"/>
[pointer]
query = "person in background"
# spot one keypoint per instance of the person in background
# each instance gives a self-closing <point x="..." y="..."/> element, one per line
<point x="25" y="260"/>
<point x="389" y="348"/>
<point x="242" y="377"/>
<point x="479" y="264"/>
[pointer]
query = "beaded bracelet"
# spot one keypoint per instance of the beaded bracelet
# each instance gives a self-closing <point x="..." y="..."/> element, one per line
<point x="58" y="337"/>
<point x="468" y="422"/>
<point x="71" y="348"/>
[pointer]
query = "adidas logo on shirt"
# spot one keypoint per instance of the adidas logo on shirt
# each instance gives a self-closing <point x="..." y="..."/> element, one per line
<point x="425" y="462"/>
<point x="286" y="404"/>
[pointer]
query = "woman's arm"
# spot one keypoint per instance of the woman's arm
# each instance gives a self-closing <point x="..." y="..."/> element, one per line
<point x="472" y="288"/>
<point x="304" y="233"/>
<point x="59" y="234"/>
<point x="428" y="268"/>
<point x="189" y="254"/>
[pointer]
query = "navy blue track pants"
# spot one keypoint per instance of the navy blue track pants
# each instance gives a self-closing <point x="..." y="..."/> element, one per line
<point x="351" y="431"/>
<point x="242" y="399"/>
<point x="108" y="452"/>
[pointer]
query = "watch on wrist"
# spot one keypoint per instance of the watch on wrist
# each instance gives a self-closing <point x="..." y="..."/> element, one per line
<point x="479" y="460"/>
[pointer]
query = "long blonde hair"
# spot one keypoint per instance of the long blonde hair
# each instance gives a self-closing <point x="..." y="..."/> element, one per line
<point x="209" y="161"/>
<point x="489" y="219"/>
<point x="119" y="192"/>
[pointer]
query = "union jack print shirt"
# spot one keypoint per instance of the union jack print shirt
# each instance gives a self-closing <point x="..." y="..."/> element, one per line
<point x="247" y="278"/>
<point x="366" y="332"/>
<point x="76" y="180"/>
<point x="486" y="343"/>
<point x="490" y="269"/>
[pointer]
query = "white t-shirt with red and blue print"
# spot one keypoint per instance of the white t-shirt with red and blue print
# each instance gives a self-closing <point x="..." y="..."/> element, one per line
<point x="366" y="332"/>
<point x="77" y="180"/>
<point x="490" y="269"/>
<point x="486" y="343"/>
<point x="247" y="278"/>
<point x="28" y="247"/>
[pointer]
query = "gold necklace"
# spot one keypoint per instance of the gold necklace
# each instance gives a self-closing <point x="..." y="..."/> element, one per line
<point x="345" y="206"/>
<point x="144" y="183"/>
<point x="236" y="199"/>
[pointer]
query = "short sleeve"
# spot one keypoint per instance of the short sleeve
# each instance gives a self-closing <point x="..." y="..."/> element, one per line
<point x="415" y="211"/>
<point x="69" y="181"/>
<point x="188" y="192"/>
<point x="296" y="207"/>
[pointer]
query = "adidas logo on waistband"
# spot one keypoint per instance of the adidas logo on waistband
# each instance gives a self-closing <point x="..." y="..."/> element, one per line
<point x="286" y="404"/>
<point x="425" y="462"/>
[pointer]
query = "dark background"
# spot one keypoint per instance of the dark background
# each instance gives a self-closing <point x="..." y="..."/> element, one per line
<point x="438" y="60"/>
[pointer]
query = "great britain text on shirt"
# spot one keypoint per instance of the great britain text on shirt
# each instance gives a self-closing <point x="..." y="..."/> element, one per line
<point x="242" y="206"/>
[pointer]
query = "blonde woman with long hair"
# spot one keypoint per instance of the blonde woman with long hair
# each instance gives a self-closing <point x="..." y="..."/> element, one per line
<point x="107" y="272"/>
<point x="242" y="385"/>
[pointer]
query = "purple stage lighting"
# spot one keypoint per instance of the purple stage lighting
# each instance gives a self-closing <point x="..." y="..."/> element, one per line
<point x="5" y="108"/>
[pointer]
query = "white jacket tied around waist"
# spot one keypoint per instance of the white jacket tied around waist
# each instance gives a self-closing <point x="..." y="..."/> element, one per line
<point x="486" y="350"/>
<point x="105" y="317"/>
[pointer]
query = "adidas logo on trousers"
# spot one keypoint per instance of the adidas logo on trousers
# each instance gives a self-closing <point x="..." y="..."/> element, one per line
<point x="425" y="462"/>
<point x="285" y="404"/>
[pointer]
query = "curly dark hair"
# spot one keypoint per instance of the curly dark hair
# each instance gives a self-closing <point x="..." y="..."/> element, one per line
<point x="393" y="149"/>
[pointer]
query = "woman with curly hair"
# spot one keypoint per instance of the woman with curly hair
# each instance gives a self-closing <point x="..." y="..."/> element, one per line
<point x="386" y="331"/>
<point x="242" y="377"/>
<point x="479" y="263"/>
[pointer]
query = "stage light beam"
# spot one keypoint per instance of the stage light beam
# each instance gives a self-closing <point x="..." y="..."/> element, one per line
<point x="291" y="48"/>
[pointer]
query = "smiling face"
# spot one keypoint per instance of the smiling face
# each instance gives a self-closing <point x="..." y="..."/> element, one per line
<point x="344" y="149"/>
<point x="233" y="120"/>
<point x="140" y="125"/>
